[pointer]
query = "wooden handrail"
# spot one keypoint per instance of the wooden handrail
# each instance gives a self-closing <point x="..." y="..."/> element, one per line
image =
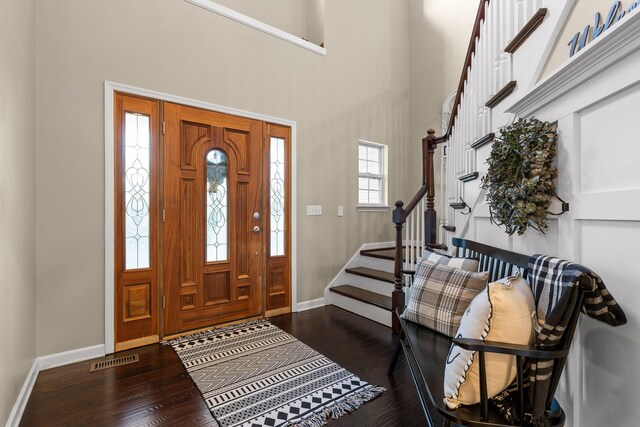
<point x="465" y="69"/>
<point x="416" y="199"/>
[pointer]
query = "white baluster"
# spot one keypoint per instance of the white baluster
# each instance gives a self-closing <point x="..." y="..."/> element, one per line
<point x="504" y="56"/>
<point x="531" y="10"/>
<point x="473" y="105"/>
<point x="484" y="77"/>
<point x="509" y="22"/>
<point x="443" y="194"/>
<point x="413" y="237"/>
<point x="421" y="230"/>
<point x="494" y="25"/>
<point x="520" y="14"/>
<point x="480" y="71"/>
<point x="486" y="55"/>
<point x="407" y="230"/>
<point x="419" y="213"/>
<point x="498" y="43"/>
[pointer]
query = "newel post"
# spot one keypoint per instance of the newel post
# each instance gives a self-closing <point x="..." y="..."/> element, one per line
<point x="428" y="149"/>
<point x="397" y="298"/>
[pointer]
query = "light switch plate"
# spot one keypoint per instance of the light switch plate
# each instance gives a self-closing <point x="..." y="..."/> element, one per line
<point x="314" y="210"/>
<point x="340" y="210"/>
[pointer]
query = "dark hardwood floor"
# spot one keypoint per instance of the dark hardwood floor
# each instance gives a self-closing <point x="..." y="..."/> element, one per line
<point x="158" y="391"/>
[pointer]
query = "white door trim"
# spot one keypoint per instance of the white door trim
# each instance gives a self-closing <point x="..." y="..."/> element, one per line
<point x="109" y="245"/>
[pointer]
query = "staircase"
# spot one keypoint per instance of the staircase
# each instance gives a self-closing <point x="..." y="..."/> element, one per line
<point x="372" y="283"/>
<point x="365" y="285"/>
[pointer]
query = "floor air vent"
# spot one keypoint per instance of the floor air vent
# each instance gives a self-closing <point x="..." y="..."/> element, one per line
<point x="112" y="363"/>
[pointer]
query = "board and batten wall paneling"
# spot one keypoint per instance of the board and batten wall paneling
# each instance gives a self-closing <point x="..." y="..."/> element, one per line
<point x="609" y="160"/>
<point x="607" y="226"/>
<point x="598" y="152"/>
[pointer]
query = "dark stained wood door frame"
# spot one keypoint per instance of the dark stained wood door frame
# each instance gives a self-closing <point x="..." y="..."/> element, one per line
<point x="284" y="130"/>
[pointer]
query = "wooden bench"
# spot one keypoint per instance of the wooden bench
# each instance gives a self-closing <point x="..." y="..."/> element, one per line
<point x="426" y="351"/>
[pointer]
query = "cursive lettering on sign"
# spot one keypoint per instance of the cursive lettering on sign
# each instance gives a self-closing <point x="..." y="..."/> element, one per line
<point x="616" y="13"/>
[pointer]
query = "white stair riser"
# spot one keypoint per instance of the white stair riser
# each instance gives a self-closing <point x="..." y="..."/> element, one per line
<point x="360" y="308"/>
<point x="376" y="263"/>
<point x="372" y="285"/>
<point x="343" y="278"/>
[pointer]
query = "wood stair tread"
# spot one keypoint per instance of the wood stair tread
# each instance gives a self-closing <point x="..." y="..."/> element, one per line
<point x="501" y="94"/>
<point x="469" y="177"/>
<point x="483" y="141"/>
<point x="372" y="274"/>
<point x="363" y="295"/>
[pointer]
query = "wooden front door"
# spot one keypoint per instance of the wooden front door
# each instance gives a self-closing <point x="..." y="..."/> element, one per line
<point x="213" y="239"/>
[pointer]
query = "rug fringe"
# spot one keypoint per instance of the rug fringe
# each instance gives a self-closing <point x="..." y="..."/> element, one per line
<point x="214" y="330"/>
<point x="341" y="408"/>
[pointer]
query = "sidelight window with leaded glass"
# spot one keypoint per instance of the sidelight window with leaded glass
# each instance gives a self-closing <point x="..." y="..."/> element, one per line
<point x="137" y="166"/>
<point x="277" y="186"/>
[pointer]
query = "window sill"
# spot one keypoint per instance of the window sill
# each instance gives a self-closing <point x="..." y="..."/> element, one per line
<point x="373" y="208"/>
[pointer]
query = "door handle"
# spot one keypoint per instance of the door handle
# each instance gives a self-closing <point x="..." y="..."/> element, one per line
<point x="256" y="229"/>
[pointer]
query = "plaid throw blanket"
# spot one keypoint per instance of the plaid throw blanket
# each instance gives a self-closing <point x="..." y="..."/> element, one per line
<point x="552" y="280"/>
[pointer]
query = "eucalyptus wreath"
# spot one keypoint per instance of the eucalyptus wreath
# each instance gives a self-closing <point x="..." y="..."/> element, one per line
<point x="520" y="180"/>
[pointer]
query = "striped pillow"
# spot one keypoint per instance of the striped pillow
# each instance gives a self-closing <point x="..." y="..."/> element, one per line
<point x="467" y="264"/>
<point x="440" y="294"/>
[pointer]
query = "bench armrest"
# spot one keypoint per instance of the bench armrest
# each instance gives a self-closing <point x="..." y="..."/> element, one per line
<point x="513" y="349"/>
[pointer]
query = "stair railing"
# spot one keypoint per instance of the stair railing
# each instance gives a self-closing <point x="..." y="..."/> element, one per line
<point x="422" y="225"/>
<point x="501" y="26"/>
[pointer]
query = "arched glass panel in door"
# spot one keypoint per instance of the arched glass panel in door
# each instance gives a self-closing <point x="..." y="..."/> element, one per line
<point x="217" y="219"/>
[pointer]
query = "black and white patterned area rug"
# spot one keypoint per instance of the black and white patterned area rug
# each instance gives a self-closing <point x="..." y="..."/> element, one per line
<point x="255" y="374"/>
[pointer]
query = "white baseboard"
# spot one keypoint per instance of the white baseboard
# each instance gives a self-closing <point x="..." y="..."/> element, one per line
<point x="21" y="402"/>
<point x="71" y="356"/>
<point x="308" y="305"/>
<point x="47" y="362"/>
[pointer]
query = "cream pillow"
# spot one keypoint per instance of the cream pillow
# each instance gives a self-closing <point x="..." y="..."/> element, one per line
<point x="502" y="312"/>
<point x="466" y="264"/>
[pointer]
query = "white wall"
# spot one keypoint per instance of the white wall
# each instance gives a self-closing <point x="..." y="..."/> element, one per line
<point x="360" y="89"/>
<point x="17" y="197"/>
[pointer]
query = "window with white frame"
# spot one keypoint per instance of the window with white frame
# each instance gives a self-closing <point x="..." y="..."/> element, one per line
<point x="372" y="185"/>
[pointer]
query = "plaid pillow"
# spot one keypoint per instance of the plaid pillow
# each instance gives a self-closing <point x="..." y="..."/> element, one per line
<point x="467" y="264"/>
<point x="440" y="294"/>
